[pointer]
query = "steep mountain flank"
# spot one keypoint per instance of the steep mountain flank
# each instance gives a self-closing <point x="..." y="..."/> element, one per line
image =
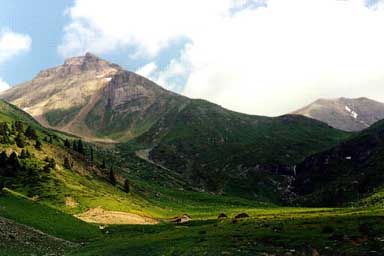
<point x="345" y="173"/>
<point x="345" y="114"/>
<point x="130" y="105"/>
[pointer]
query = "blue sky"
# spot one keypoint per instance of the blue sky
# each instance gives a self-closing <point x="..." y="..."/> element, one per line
<point x="43" y="21"/>
<point x="264" y="57"/>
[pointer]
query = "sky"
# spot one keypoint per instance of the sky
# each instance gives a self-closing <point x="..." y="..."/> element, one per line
<point x="264" y="57"/>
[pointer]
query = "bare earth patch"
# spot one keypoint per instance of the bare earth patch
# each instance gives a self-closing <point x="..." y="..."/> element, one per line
<point x="101" y="216"/>
<point x="70" y="202"/>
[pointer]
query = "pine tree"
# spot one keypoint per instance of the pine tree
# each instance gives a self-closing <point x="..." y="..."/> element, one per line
<point x="74" y="145"/>
<point x="1" y="186"/>
<point x="80" y="147"/>
<point x="127" y="186"/>
<point x="13" y="160"/>
<point x="112" y="178"/>
<point x="67" y="163"/>
<point x="3" y="158"/>
<point x="19" y="126"/>
<point x="20" y="141"/>
<point x="13" y="128"/>
<point x="23" y="154"/>
<point x="51" y="164"/>
<point x="4" y="139"/>
<point x="103" y="165"/>
<point x="4" y="133"/>
<point x="4" y="129"/>
<point x="67" y="144"/>
<point x="91" y="157"/>
<point x="38" y="144"/>
<point x="30" y="133"/>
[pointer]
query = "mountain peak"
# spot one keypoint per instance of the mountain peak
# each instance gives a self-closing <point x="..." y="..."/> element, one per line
<point x="88" y="95"/>
<point x="80" y="65"/>
<point x="350" y="114"/>
<point x="88" y="61"/>
<point x="90" y="55"/>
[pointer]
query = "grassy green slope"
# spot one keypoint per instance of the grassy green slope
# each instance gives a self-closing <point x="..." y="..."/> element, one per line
<point x="154" y="191"/>
<point x="212" y="132"/>
<point x="278" y="231"/>
<point x="225" y="151"/>
<point x="271" y="232"/>
<point x="9" y="112"/>
<point x="375" y="199"/>
<point x="51" y="221"/>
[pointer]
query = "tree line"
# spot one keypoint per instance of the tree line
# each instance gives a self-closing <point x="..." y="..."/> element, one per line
<point x="22" y="135"/>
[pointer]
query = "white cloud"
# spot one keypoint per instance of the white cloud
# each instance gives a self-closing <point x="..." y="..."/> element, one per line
<point x="3" y="85"/>
<point x="11" y="44"/>
<point x="148" y="25"/>
<point x="170" y="75"/>
<point x="267" y="60"/>
<point x="147" y="70"/>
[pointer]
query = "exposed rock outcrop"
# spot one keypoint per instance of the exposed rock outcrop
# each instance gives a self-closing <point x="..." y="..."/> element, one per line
<point x="345" y="114"/>
<point x="93" y="98"/>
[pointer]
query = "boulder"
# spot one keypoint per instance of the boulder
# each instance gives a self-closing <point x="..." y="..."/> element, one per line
<point x="241" y="215"/>
<point x="181" y="219"/>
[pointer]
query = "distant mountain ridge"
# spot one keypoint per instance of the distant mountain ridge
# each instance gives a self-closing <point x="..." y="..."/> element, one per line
<point x="344" y="113"/>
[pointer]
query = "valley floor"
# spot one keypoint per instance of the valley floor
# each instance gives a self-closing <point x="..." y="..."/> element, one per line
<point x="333" y="232"/>
<point x="268" y="231"/>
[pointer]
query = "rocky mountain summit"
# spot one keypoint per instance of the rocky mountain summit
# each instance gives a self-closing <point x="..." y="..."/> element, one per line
<point x="92" y="98"/>
<point x="344" y="113"/>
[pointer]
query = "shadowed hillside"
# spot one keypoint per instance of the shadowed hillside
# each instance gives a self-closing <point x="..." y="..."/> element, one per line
<point x="345" y="173"/>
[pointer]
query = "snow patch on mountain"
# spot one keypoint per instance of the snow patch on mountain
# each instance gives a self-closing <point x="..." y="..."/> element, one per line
<point x="351" y="112"/>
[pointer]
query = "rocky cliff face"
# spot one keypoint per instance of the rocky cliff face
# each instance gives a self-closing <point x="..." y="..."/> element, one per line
<point x="345" y="114"/>
<point x="92" y="98"/>
<point x="128" y="92"/>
